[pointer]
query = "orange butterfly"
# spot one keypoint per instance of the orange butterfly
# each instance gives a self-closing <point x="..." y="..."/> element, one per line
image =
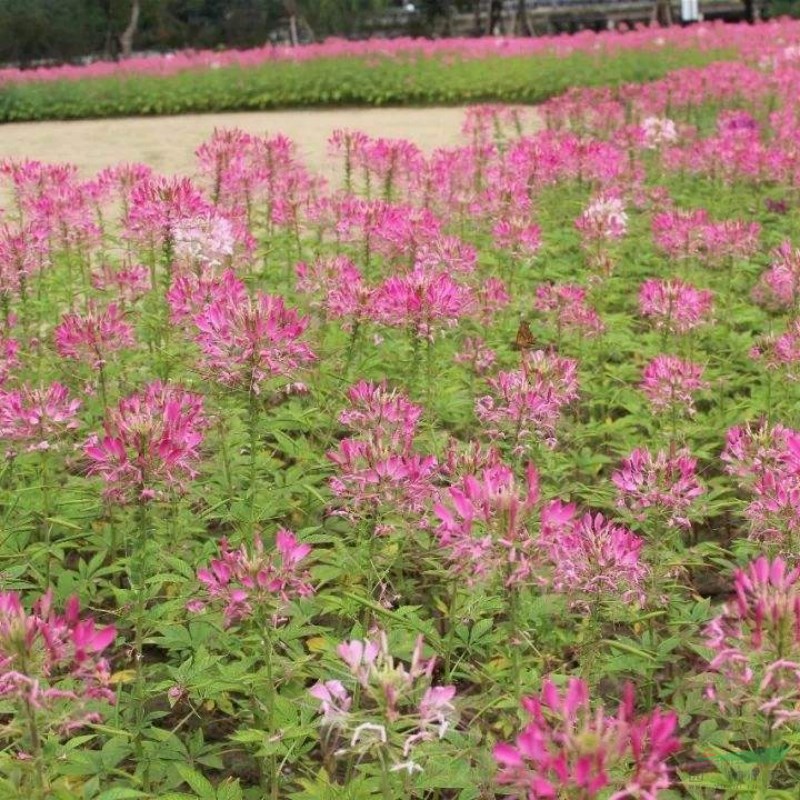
<point x="524" y="339"/>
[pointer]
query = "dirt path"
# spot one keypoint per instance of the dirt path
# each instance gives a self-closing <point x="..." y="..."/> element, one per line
<point x="167" y="143"/>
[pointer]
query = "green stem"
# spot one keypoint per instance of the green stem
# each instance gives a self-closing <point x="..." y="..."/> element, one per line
<point x="36" y="751"/>
<point x="139" y="570"/>
<point x="252" y="424"/>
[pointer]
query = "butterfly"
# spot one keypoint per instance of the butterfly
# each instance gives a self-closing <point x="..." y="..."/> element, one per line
<point x="524" y="339"/>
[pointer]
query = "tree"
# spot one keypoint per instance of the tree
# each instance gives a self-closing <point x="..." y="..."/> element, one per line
<point x="126" y="37"/>
<point x="522" y="24"/>
<point x="662" y="12"/>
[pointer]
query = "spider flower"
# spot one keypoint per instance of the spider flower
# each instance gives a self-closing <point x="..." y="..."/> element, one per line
<point x="90" y="338"/>
<point x="246" y="343"/>
<point x="569" y="749"/>
<point x="150" y="444"/>
<point x="256" y="580"/>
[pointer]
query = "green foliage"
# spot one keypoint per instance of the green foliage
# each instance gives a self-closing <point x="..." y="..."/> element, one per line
<point x="340" y="82"/>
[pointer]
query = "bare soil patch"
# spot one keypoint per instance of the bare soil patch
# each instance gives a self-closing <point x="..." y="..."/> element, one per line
<point x="167" y="143"/>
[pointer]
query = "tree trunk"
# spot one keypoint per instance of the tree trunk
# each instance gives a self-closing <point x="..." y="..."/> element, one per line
<point x="662" y="13"/>
<point x="477" y="7"/>
<point x="495" y="16"/>
<point x="522" y="25"/>
<point x="126" y="37"/>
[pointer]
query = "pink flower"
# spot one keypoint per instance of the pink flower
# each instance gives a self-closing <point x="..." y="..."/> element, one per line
<point x="592" y="557"/>
<point x="755" y="643"/>
<point x="9" y="356"/>
<point x="671" y="383"/>
<point x="603" y="220"/>
<point x="127" y="283"/>
<point x="192" y="293"/>
<point x="246" y="343"/>
<point x="37" y="417"/>
<point x="423" y="302"/>
<point x="565" y="306"/>
<point x="673" y="305"/>
<point x="150" y="444"/>
<point x="251" y="583"/>
<point x="52" y="663"/>
<point x="567" y="749"/>
<point x="484" y="522"/>
<point x="665" y="483"/>
<point x="93" y="336"/>
<point x="528" y="402"/>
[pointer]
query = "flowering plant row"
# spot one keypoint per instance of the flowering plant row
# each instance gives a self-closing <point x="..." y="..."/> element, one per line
<point x="472" y="474"/>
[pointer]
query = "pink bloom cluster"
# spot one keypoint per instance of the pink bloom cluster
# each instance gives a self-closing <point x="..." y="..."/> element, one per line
<point x="778" y="288"/>
<point x="245" y="343"/>
<point x="483" y="525"/>
<point x="755" y="643"/>
<point x="603" y="220"/>
<point x="400" y="708"/>
<point x="591" y="557"/>
<point x="379" y="469"/>
<point x="150" y="444"/>
<point x="674" y="305"/>
<point x="670" y="384"/>
<point x="423" y="302"/>
<point x="127" y="283"/>
<point x="569" y="749"/>
<point x="253" y="583"/>
<point x="37" y="418"/>
<point x="767" y="462"/>
<point x="527" y="403"/>
<point x="9" y="356"/>
<point x="52" y="662"/>
<point x="565" y="306"/>
<point x="781" y="352"/>
<point x="664" y="484"/>
<point x="92" y="337"/>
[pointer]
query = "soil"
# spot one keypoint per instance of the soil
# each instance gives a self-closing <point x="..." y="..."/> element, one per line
<point x="167" y="143"/>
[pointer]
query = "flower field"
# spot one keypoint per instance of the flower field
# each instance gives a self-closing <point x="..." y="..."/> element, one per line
<point x="376" y="73"/>
<point x="471" y="474"/>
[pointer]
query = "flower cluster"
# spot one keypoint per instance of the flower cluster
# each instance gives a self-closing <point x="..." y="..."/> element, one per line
<point x="150" y="444"/>
<point x="674" y="305"/>
<point x="37" y="418"/>
<point x="399" y="707"/>
<point x="90" y="338"/>
<point x="565" y="306"/>
<point x="255" y="583"/>
<point x="379" y="469"/>
<point x="569" y="749"/>
<point x="527" y="403"/>
<point x="664" y="485"/>
<point x="670" y="384"/>
<point x="52" y="665"/>
<point x="591" y="557"/>
<point x="755" y="643"/>
<point x="245" y="343"/>
<point x="483" y="526"/>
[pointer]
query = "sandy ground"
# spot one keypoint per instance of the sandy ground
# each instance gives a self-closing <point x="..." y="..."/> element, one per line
<point x="167" y="143"/>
